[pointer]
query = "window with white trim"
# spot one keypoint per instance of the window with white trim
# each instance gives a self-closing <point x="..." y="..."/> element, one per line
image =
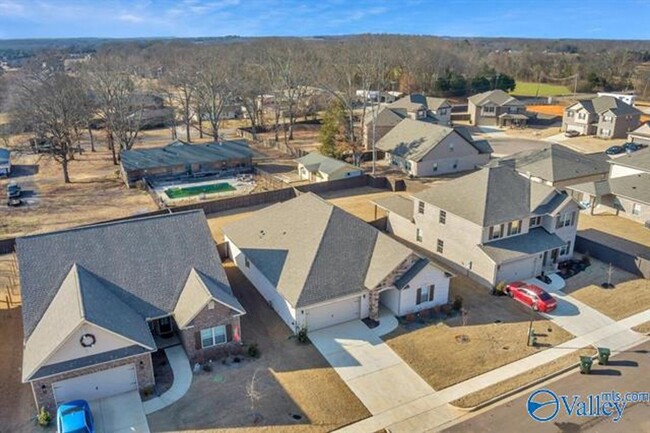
<point x="421" y="207"/>
<point x="636" y="209"/>
<point x="425" y="294"/>
<point x="582" y="116"/>
<point x="246" y="262"/>
<point x="496" y="232"/>
<point x="535" y="221"/>
<point x="440" y="246"/>
<point x="514" y="228"/>
<point x="418" y="235"/>
<point x="565" y="220"/>
<point x="566" y="248"/>
<point x="488" y="110"/>
<point x="442" y="218"/>
<point x="213" y="336"/>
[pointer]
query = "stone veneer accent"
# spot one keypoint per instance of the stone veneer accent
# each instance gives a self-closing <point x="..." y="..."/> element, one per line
<point x="44" y="394"/>
<point x="373" y="299"/>
<point x="209" y="318"/>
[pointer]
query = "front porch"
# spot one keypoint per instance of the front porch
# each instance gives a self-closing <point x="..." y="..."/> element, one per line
<point x="165" y="332"/>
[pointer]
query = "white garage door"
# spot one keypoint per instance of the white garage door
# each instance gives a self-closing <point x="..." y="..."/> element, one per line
<point x="333" y="314"/>
<point x="97" y="385"/>
<point x="514" y="271"/>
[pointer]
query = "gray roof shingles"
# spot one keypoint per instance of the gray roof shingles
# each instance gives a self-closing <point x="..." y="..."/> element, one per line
<point x="535" y="241"/>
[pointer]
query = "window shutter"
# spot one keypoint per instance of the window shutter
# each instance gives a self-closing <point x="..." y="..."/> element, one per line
<point x="573" y="218"/>
<point x="197" y="341"/>
<point x="432" y="288"/>
<point x="418" y="297"/>
<point x="229" y="332"/>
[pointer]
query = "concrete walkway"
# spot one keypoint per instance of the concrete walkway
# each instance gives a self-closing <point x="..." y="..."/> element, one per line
<point x="387" y="322"/>
<point x="180" y="366"/>
<point x="372" y="370"/>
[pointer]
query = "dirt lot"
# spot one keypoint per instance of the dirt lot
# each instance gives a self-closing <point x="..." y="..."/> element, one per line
<point x="615" y="225"/>
<point x="483" y="395"/>
<point x="630" y="295"/>
<point x="292" y="379"/>
<point x="17" y="408"/>
<point x="305" y="136"/>
<point x="495" y="334"/>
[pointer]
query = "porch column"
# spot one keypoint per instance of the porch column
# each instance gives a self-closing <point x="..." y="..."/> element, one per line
<point x="373" y="305"/>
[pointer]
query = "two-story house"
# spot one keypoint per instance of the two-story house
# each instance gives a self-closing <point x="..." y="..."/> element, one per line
<point x="626" y="190"/>
<point x="426" y="149"/>
<point x="495" y="224"/>
<point x="603" y="116"/>
<point x="496" y="108"/>
<point x="414" y="106"/>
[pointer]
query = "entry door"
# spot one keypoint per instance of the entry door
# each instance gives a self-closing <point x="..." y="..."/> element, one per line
<point x="165" y="326"/>
<point x="554" y="255"/>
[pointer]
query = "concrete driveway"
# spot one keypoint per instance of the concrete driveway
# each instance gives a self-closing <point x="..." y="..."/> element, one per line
<point x="121" y="413"/>
<point x="371" y="369"/>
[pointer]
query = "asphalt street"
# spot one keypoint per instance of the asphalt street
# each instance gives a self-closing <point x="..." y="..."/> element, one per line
<point x="627" y="372"/>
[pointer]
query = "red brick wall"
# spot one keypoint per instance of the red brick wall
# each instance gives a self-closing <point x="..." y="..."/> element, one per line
<point x="209" y="318"/>
<point x="42" y="388"/>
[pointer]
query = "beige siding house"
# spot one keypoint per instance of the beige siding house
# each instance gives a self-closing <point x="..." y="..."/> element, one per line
<point x="316" y="167"/>
<point x="496" y="108"/>
<point x="495" y="224"/>
<point x="603" y="116"/>
<point x="425" y="149"/>
<point x="641" y="135"/>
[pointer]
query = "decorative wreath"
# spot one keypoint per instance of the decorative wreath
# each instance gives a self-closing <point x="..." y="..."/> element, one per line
<point x="87" y="340"/>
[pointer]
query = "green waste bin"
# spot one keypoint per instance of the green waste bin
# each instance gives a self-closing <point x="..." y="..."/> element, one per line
<point x="603" y="355"/>
<point x="585" y="364"/>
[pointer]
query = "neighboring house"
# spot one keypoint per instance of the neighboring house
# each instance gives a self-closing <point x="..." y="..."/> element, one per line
<point x="420" y="107"/>
<point x="626" y="190"/>
<point x="5" y="162"/>
<point x="627" y="97"/>
<point x="603" y="116"/>
<point x="496" y="108"/>
<point x="426" y="149"/>
<point x="378" y="96"/>
<point x="640" y="135"/>
<point x="317" y="265"/>
<point x="179" y="159"/>
<point x="495" y="224"/>
<point x="98" y="300"/>
<point x="386" y="119"/>
<point x="316" y="167"/>
<point x="557" y="166"/>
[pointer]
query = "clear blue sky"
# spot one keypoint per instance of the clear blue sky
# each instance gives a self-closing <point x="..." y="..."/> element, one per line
<point x="601" y="19"/>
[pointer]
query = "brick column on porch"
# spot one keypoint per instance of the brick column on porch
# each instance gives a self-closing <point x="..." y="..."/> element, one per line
<point x="373" y="305"/>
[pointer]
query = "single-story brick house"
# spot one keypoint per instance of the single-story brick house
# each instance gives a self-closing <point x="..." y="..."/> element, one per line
<point x="97" y="301"/>
<point x="319" y="266"/>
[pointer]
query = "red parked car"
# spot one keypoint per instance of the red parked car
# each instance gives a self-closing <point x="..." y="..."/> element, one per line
<point x="535" y="297"/>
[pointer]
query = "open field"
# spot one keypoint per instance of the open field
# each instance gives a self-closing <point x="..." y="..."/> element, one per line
<point x="292" y="379"/>
<point x="524" y="88"/>
<point x="630" y="295"/>
<point x="495" y="334"/>
<point x="557" y="365"/>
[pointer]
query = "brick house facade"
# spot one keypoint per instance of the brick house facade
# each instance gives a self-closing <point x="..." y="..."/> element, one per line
<point x="215" y="314"/>
<point x="44" y="394"/>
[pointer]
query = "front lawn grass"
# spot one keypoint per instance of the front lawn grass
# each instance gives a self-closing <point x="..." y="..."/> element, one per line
<point x="495" y="334"/>
<point x="524" y="88"/>
<point x="500" y="388"/>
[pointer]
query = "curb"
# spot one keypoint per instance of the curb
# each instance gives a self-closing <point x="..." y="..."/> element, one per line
<point x="519" y="389"/>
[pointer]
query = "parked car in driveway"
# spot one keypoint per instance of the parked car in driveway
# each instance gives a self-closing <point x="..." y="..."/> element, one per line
<point x="571" y="134"/>
<point x="75" y="417"/>
<point x="615" y="150"/>
<point x="631" y="147"/>
<point x="533" y="296"/>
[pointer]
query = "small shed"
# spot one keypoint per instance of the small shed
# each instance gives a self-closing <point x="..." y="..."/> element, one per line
<point x="316" y="167"/>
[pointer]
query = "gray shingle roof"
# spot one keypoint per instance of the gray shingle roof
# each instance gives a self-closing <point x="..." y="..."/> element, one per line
<point x="87" y="361"/>
<point x="535" y="241"/>
<point x="598" y="188"/>
<point x="556" y="163"/>
<point x="415" y="101"/>
<point x="315" y="161"/>
<point x="387" y="116"/>
<point x="312" y="251"/>
<point x="639" y="160"/>
<point x="601" y="104"/>
<point x="635" y="187"/>
<point x="398" y="204"/>
<point x="411" y="273"/>
<point x="496" y="97"/>
<point x="492" y="195"/>
<point x="179" y="152"/>
<point x="414" y="139"/>
<point x="642" y="131"/>
<point x="145" y="262"/>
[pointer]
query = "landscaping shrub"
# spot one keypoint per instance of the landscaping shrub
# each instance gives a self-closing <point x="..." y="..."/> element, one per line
<point x="500" y="288"/>
<point x="586" y="260"/>
<point x="207" y="367"/>
<point x="458" y="303"/>
<point x="44" y="417"/>
<point x="253" y="351"/>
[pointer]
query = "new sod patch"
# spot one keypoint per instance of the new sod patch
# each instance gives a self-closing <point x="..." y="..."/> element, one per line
<point x="190" y="191"/>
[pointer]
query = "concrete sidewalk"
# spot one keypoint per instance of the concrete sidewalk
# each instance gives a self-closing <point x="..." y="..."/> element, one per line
<point x="372" y="370"/>
<point x="180" y="366"/>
